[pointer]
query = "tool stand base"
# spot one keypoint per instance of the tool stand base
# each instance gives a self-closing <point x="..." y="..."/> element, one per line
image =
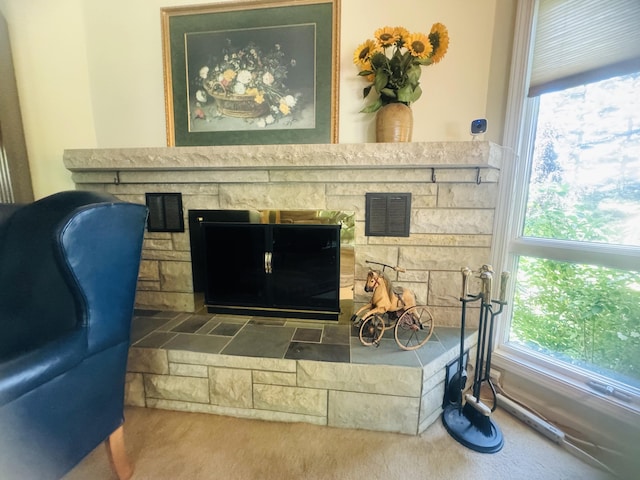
<point x="472" y="429"/>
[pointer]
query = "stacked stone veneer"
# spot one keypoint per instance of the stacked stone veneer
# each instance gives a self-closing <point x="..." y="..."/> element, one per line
<point x="373" y="397"/>
<point x="453" y="185"/>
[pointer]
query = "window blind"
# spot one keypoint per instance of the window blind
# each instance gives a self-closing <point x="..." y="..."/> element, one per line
<point x="582" y="41"/>
<point x="6" y="190"/>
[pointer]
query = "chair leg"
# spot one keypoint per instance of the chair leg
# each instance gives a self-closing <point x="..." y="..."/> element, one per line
<point x="118" y="454"/>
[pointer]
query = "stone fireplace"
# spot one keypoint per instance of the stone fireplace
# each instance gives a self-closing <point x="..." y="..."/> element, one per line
<point x="453" y="187"/>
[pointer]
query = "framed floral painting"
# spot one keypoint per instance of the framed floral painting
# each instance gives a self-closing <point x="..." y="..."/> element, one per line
<point x="261" y="72"/>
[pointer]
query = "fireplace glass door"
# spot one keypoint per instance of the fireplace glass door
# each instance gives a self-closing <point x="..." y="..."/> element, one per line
<point x="235" y="260"/>
<point x="305" y="266"/>
<point x="272" y="269"/>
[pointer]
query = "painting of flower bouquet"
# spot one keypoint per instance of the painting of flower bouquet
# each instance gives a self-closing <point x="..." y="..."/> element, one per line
<point x="264" y="88"/>
<point x="247" y="74"/>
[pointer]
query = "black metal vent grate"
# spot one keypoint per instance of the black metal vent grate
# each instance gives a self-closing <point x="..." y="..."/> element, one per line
<point x="388" y="214"/>
<point x="165" y="212"/>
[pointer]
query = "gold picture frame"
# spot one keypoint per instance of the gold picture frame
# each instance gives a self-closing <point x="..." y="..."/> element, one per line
<point x="263" y="72"/>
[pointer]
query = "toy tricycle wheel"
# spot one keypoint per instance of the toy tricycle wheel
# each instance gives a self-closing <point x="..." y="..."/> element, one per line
<point x="414" y="328"/>
<point x="371" y="330"/>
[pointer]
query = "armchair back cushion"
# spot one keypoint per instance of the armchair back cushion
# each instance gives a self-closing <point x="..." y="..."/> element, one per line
<point x="31" y="280"/>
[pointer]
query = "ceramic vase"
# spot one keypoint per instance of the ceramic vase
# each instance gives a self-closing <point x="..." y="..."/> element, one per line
<point x="394" y="123"/>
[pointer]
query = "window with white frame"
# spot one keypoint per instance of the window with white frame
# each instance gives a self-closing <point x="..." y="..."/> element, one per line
<point x="574" y="242"/>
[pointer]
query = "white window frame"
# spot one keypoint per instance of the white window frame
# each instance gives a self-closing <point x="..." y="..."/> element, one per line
<point x="552" y="387"/>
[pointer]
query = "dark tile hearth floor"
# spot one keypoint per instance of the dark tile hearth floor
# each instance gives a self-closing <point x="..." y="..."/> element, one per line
<point x="281" y="338"/>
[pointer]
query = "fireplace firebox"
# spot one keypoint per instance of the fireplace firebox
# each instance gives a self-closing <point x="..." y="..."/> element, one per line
<point x="271" y="263"/>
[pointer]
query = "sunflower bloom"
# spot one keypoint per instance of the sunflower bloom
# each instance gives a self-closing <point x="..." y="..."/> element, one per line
<point x="402" y="34"/>
<point x="363" y="53"/>
<point x="418" y="45"/>
<point x="386" y="36"/>
<point x="366" y="66"/>
<point x="439" y="38"/>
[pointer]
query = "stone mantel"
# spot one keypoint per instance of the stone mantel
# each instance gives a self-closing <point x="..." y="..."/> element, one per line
<point x="472" y="154"/>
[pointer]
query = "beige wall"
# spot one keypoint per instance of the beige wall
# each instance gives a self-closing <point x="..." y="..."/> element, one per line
<point x="15" y="178"/>
<point x="90" y="74"/>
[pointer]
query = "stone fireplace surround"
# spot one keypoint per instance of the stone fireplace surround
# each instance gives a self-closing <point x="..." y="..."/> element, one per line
<point x="451" y="217"/>
<point x="454" y="191"/>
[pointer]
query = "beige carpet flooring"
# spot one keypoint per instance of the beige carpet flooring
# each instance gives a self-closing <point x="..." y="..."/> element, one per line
<point x="167" y="445"/>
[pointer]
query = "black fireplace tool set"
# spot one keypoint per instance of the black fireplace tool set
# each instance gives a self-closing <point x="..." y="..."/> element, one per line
<point x="468" y="420"/>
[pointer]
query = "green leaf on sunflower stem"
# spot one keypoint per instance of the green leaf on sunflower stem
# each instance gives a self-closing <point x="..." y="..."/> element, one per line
<point x="365" y="73"/>
<point x="425" y="61"/>
<point x="381" y="80"/>
<point x="413" y="73"/>
<point x="378" y="60"/>
<point x="374" y="107"/>
<point x="405" y="94"/>
<point x="388" y="92"/>
<point x="417" y="93"/>
<point x="366" y="91"/>
<point x="395" y="62"/>
<point x="408" y="61"/>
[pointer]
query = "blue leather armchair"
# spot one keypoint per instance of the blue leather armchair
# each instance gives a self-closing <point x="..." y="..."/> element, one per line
<point x="68" y="271"/>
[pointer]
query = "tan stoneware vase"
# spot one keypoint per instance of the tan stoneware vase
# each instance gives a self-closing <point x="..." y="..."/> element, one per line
<point x="394" y="123"/>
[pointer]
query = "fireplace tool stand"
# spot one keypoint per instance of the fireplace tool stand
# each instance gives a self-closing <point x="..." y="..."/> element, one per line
<point x="469" y="421"/>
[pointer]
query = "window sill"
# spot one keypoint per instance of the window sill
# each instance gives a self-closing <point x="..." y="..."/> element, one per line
<point x="561" y="379"/>
<point x="608" y="426"/>
<point x="604" y="427"/>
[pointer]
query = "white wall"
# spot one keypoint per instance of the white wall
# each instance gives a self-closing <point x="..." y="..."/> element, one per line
<point x="90" y="73"/>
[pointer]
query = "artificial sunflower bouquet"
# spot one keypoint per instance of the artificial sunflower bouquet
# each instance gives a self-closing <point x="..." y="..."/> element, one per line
<point x="392" y="62"/>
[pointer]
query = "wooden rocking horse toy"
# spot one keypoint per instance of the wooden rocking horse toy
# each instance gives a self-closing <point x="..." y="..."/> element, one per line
<point x="385" y="297"/>
<point x="412" y="324"/>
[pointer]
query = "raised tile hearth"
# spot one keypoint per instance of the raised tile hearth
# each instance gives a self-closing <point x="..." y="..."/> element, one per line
<point x="286" y="370"/>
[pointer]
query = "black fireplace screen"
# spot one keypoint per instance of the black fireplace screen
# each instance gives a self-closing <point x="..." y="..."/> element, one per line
<point x="275" y="262"/>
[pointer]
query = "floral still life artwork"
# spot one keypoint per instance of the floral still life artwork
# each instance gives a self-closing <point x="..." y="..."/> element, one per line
<point x="392" y="61"/>
<point x="253" y="79"/>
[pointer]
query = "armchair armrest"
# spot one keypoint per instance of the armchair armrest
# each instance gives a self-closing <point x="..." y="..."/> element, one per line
<point x="23" y="373"/>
